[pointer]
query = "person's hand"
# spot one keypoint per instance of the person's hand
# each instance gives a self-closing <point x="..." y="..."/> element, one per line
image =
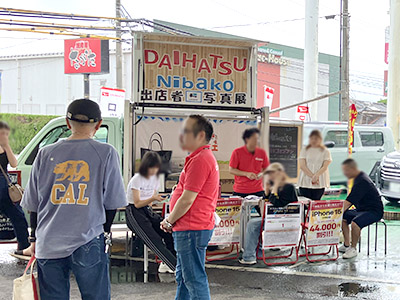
<point x="251" y="176"/>
<point x="315" y="179"/>
<point x="158" y="197"/>
<point x="33" y="248"/>
<point x="165" y="227"/>
<point x="4" y="141"/>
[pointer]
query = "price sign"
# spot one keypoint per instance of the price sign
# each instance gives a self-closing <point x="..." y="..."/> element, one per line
<point x="227" y="232"/>
<point x="325" y="222"/>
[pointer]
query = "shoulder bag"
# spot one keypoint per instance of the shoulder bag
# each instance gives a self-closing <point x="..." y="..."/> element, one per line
<point x="15" y="191"/>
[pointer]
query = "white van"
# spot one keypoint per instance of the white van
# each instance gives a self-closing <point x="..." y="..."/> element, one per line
<point x="371" y="144"/>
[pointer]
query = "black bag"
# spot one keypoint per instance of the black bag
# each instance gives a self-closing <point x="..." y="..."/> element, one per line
<point x="136" y="247"/>
<point x="6" y="228"/>
<point x="164" y="154"/>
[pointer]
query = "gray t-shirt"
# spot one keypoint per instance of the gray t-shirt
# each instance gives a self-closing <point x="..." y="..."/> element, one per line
<point x="71" y="184"/>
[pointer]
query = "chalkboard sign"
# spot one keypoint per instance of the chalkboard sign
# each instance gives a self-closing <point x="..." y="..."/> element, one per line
<point x="283" y="147"/>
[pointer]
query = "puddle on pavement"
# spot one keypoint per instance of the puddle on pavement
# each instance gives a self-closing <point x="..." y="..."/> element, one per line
<point x="133" y="272"/>
<point x="349" y="289"/>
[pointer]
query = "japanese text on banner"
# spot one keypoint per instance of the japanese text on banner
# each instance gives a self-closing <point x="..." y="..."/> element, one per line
<point x="227" y="232"/>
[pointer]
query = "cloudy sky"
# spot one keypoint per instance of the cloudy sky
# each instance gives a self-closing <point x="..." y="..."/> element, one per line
<point x="279" y="21"/>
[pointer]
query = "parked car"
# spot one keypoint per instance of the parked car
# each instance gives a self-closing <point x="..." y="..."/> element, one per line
<point x="371" y="144"/>
<point x="388" y="177"/>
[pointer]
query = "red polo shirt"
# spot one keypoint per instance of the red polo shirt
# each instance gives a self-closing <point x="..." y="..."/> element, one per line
<point x="200" y="174"/>
<point x="244" y="160"/>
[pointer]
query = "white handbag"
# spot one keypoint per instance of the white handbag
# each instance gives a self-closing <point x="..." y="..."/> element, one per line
<point x="26" y="287"/>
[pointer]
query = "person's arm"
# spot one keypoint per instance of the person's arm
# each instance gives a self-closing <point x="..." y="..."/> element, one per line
<point x="12" y="160"/>
<point x="304" y="168"/>
<point x="110" y="215"/>
<point x="142" y="203"/>
<point x="347" y="205"/>
<point x="238" y="172"/>
<point x="321" y="171"/>
<point x="284" y="197"/>
<point x="182" y="206"/>
<point x="358" y="191"/>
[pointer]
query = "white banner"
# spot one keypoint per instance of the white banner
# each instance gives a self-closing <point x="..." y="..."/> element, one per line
<point x="268" y="96"/>
<point x="282" y="225"/>
<point x="112" y="102"/>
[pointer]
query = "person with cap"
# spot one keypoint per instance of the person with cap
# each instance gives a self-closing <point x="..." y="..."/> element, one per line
<point x="74" y="189"/>
<point x="279" y="193"/>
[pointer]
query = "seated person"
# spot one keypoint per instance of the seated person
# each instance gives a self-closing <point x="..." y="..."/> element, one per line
<point x="369" y="208"/>
<point x="141" y="193"/>
<point x="279" y="194"/>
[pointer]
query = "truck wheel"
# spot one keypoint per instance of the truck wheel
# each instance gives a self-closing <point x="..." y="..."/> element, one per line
<point x="394" y="200"/>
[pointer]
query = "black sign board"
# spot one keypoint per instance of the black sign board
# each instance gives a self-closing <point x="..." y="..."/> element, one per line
<point x="283" y="147"/>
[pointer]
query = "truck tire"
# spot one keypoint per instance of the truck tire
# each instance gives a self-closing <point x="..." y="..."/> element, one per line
<point x="394" y="200"/>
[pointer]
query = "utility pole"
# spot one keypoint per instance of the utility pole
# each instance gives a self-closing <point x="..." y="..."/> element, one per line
<point x="393" y="102"/>
<point x="310" y="83"/>
<point x="118" y="49"/>
<point x="344" y="62"/>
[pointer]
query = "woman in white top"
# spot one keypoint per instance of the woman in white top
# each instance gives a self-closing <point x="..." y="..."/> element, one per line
<point x="142" y="191"/>
<point x="314" y="161"/>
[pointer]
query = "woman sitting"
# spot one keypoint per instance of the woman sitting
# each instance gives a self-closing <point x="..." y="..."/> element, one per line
<point x="279" y="193"/>
<point x="141" y="193"/>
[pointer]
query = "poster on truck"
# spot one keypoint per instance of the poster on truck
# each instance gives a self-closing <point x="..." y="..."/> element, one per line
<point x="227" y="232"/>
<point x="282" y="225"/>
<point x="324" y="222"/>
<point x="196" y="72"/>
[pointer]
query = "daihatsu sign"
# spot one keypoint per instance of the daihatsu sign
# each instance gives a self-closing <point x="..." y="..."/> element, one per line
<point x="86" y="56"/>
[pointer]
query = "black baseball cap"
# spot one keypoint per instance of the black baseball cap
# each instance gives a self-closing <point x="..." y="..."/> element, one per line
<point x="84" y="110"/>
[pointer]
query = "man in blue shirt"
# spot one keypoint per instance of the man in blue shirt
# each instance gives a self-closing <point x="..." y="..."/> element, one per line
<point x="73" y="192"/>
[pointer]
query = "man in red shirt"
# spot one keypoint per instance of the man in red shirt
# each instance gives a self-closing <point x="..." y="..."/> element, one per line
<point x="193" y="205"/>
<point x="248" y="164"/>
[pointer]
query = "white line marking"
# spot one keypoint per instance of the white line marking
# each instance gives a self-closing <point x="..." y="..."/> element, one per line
<point x="300" y="273"/>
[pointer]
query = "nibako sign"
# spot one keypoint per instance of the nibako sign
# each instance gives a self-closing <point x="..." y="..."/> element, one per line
<point x="189" y="72"/>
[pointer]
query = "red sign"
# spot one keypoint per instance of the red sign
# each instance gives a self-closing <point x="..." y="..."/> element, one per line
<point x="86" y="56"/>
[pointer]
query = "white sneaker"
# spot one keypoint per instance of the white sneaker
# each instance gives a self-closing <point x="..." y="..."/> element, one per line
<point x="244" y="262"/>
<point x="350" y="253"/>
<point x="163" y="268"/>
<point x="343" y="248"/>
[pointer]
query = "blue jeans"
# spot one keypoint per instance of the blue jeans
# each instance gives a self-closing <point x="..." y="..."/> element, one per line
<point x="251" y="239"/>
<point x="191" y="274"/>
<point x="15" y="213"/>
<point x="89" y="264"/>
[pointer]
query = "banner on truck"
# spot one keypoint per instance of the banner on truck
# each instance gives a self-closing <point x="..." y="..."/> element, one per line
<point x="282" y="225"/>
<point x="184" y="74"/>
<point x="227" y="232"/>
<point x="325" y="222"/>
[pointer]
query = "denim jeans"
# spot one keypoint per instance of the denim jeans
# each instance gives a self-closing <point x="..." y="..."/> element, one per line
<point x="251" y="239"/>
<point x="191" y="274"/>
<point x="15" y="213"/>
<point x="89" y="264"/>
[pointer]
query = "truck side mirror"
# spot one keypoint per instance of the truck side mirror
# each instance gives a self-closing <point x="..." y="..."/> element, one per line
<point x="329" y="144"/>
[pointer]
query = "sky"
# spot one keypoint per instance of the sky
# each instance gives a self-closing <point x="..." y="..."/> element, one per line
<point x="279" y="21"/>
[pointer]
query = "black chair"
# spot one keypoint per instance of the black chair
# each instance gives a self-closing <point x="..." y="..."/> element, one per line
<point x="376" y="237"/>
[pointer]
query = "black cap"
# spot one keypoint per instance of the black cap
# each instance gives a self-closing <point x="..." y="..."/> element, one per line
<point x="84" y="110"/>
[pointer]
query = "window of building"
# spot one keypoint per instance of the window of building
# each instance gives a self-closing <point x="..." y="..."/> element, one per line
<point x="371" y="138"/>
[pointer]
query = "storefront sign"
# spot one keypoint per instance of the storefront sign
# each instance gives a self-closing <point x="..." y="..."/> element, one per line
<point x="86" y="56"/>
<point x="227" y="232"/>
<point x="271" y="56"/>
<point x="325" y="222"/>
<point x="195" y="74"/>
<point x="352" y="120"/>
<point x="112" y="102"/>
<point x="282" y="225"/>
